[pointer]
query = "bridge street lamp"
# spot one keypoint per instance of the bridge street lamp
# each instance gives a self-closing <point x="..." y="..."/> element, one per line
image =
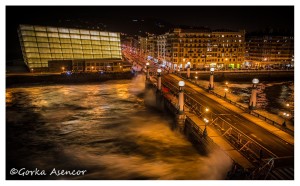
<point x="285" y="116"/>
<point x="159" y="79"/>
<point x="226" y="90"/>
<point x="205" y="130"/>
<point x="147" y="67"/>
<point x="196" y="77"/>
<point x="211" y="79"/>
<point x="252" y="102"/>
<point x="180" y="96"/>
<point x="188" y="72"/>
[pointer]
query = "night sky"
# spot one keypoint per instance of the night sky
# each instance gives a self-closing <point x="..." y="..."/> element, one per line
<point x="137" y="20"/>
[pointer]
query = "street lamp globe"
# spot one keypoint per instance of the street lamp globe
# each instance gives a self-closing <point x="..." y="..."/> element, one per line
<point x="181" y="83"/>
<point x="159" y="70"/>
<point x="212" y="69"/>
<point x="147" y="63"/>
<point x="255" y="81"/>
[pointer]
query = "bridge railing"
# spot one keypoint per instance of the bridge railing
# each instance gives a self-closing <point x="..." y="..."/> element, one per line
<point x="240" y="141"/>
<point x="198" y="132"/>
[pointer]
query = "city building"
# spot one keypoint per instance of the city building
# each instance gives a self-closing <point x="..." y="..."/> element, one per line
<point x="143" y="45"/>
<point x="130" y="42"/>
<point x="222" y="49"/>
<point x="270" y="51"/>
<point x="41" y="44"/>
<point x="161" y="47"/>
<point x="203" y="48"/>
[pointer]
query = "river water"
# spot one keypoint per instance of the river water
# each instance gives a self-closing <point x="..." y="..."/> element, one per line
<point x="105" y="129"/>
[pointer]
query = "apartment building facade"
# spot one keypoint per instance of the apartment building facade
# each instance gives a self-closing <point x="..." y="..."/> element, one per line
<point x="203" y="48"/>
<point x="269" y="51"/>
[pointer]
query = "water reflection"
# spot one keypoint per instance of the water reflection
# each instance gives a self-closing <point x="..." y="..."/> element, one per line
<point x="105" y="129"/>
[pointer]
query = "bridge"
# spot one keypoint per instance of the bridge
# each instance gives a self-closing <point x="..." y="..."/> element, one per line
<point x="260" y="148"/>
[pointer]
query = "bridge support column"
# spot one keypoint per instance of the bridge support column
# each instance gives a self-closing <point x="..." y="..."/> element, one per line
<point x="252" y="101"/>
<point x="211" y="79"/>
<point x="180" y="121"/>
<point x="188" y="71"/>
<point x="159" y="79"/>
<point x="159" y="96"/>
<point x="180" y="117"/>
<point x="147" y="75"/>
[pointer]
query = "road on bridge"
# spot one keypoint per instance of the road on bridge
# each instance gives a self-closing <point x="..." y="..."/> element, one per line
<point x="258" y="134"/>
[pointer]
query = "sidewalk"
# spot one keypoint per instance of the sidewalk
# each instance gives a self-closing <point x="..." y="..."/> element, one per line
<point x="281" y="134"/>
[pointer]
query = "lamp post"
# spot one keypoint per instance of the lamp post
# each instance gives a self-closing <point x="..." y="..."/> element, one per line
<point x="226" y="90"/>
<point x="205" y="131"/>
<point x="188" y="72"/>
<point x="147" y="67"/>
<point x="180" y="96"/>
<point x="285" y="116"/>
<point x="32" y="70"/>
<point x="252" y="102"/>
<point x="63" y="69"/>
<point x="211" y="79"/>
<point x="159" y="79"/>
<point x="196" y="77"/>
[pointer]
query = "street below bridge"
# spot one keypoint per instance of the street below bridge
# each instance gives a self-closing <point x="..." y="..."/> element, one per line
<point x="266" y="139"/>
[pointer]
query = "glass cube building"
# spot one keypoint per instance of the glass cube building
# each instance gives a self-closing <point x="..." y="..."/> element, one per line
<point x="41" y="44"/>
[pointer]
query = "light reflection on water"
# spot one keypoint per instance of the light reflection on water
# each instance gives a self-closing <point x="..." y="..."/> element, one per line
<point x="105" y="129"/>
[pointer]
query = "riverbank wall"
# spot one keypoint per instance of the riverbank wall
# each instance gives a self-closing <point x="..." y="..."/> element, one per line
<point x="79" y="78"/>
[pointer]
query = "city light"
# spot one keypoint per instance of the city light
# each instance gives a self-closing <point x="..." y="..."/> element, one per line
<point x="181" y="83"/>
<point x="205" y="120"/>
<point x="255" y="81"/>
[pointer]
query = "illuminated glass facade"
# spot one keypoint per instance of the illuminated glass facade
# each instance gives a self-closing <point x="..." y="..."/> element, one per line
<point x="41" y="44"/>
